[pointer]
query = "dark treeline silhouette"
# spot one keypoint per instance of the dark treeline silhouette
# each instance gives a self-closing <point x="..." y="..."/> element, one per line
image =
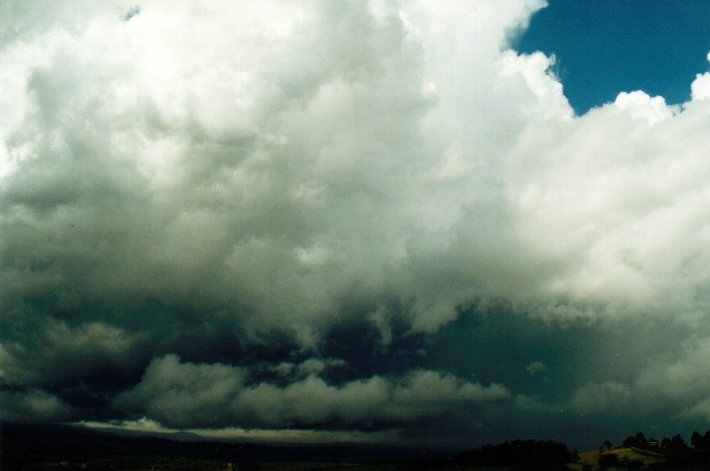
<point x="701" y="442"/>
<point x="529" y="454"/>
<point x="606" y="444"/>
<point x="674" y="451"/>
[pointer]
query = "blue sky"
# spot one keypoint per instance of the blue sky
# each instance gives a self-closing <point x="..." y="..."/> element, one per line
<point x="604" y="47"/>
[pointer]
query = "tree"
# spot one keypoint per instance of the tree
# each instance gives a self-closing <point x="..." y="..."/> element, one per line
<point x="530" y="453"/>
<point x="640" y="440"/>
<point x="696" y="440"/>
<point x="701" y="442"/>
<point x="677" y="440"/>
<point x="607" y="445"/>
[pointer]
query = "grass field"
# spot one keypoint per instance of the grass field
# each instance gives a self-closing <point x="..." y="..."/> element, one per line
<point x="647" y="458"/>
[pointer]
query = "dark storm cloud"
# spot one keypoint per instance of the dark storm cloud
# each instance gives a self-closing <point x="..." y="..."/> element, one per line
<point x="286" y="199"/>
<point x="208" y="395"/>
<point x="31" y="405"/>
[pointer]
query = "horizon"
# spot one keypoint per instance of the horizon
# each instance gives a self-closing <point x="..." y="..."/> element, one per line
<point x="295" y="438"/>
<point x="406" y="222"/>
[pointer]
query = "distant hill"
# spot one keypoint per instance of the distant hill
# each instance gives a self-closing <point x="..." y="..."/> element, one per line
<point x="676" y="458"/>
<point x="624" y="456"/>
<point x="44" y="447"/>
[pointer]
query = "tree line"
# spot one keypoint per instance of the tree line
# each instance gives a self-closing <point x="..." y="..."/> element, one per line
<point x="697" y="441"/>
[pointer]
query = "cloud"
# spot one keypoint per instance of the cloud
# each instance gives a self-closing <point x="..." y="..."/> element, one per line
<point x="536" y="368"/>
<point x="287" y="179"/>
<point x="298" y="436"/>
<point x="613" y="200"/>
<point x="605" y="398"/>
<point x="53" y="351"/>
<point x="675" y="383"/>
<point x="243" y="175"/>
<point x="312" y="366"/>
<point x="193" y="395"/>
<point x="700" y="88"/>
<point x="31" y="405"/>
<point x="135" y="10"/>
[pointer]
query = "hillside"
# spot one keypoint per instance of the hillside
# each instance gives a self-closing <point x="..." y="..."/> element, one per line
<point x="639" y="458"/>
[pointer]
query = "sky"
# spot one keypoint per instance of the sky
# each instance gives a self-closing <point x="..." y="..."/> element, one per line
<point x="608" y="46"/>
<point x="367" y="221"/>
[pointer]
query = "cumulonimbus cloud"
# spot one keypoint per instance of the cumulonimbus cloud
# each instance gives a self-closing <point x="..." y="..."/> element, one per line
<point x="278" y="173"/>
<point x="284" y="167"/>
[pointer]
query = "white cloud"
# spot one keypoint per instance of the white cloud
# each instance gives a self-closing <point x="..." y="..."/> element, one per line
<point x="272" y="160"/>
<point x="700" y="88"/>
<point x="611" y="205"/>
<point x="639" y="105"/>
